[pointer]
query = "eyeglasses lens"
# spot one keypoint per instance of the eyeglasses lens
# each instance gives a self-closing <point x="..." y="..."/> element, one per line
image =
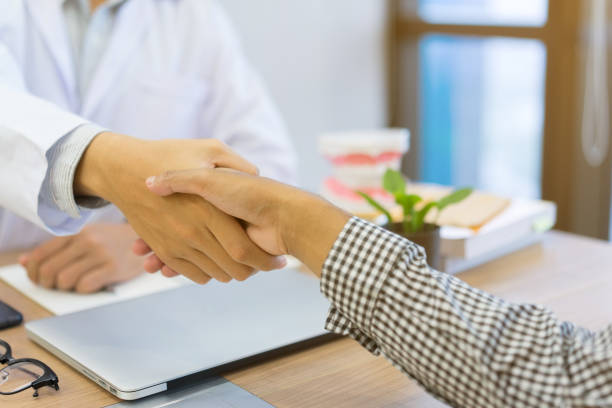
<point x="19" y="376"/>
<point x="2" y="350"/>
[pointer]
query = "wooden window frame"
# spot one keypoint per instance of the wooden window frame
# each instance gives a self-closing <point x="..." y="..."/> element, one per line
<point x="582" y="193"/>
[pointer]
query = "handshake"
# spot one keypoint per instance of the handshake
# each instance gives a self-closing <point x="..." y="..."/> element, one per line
<point x="202" y="211"/>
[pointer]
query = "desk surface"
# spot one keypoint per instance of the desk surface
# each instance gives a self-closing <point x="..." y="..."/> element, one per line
<point x="570" y="274"/>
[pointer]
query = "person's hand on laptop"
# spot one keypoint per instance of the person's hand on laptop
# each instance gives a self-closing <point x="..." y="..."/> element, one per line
<point x="87" y="262"/>
<point x="280" y="219"/>
<point x="114" y="167"/>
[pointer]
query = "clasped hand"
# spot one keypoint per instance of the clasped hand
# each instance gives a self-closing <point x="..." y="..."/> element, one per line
<point x="279" y="218"/>
<point x="187" y="233"/>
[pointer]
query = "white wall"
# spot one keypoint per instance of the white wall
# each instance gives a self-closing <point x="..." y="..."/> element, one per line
<point x="323" y="62"/>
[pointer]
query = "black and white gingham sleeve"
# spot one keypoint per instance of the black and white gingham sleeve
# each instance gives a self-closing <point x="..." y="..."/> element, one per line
<point x="464" y="346"/>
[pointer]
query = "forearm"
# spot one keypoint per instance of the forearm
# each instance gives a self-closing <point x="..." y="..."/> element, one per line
<point x="310" y="227"/>
<point x="463" y="345"/>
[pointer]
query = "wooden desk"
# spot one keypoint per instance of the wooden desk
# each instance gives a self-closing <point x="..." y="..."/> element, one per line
<point x="570" y="274"/>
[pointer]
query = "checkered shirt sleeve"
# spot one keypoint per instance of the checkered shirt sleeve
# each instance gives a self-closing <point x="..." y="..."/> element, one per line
<point x="464" y="346"/>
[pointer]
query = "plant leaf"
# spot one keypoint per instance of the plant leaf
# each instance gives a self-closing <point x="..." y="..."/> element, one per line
<point x="454" y="198"/>
<point x="419" y="217"/>
<point x="394" y="183"/>
<point x="407" y="201"/>
<point x="413" y="225"/>
<point x="376" y="205"/>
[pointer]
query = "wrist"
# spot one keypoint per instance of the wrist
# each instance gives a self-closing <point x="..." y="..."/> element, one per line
<point x="310" y="227"/>
<point x="108" y="165"/>
<point x="290" y="221"/>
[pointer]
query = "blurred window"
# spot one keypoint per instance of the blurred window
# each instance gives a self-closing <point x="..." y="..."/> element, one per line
<point x="482" y="110"/>
<point x="500" y="95"/>
<point x="489" y="12"/>
<point x="475" y="74"/>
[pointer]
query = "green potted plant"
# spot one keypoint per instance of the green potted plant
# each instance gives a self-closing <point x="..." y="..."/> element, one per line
<point x="413" y="225"/>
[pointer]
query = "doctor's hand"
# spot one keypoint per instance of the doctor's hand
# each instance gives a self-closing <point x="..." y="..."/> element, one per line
<point x="87" y="262"/>
<point x="279" y="218"/>
<point x="185" y="231"/>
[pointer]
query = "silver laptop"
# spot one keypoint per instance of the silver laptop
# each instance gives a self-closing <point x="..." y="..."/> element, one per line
<point x="147" y="345"/>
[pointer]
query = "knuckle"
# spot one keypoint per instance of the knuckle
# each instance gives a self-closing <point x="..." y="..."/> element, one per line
<point x="191" y="233"/>
<point x="217" y="148"/>
<point x="85" y="242"/>
<point x="166" y="175"/>
<point x="239" y="253"/>
<point x="45" y="271"/>
<point x="64" y="283"/>
<point x="216" y="144"/>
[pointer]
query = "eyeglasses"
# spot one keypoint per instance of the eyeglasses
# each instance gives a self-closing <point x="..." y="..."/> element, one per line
<point x="23" y="373"/>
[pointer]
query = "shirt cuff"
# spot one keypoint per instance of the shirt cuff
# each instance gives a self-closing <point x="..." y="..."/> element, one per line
<point x="64" y="157"/>
<point x="353" y="274"/>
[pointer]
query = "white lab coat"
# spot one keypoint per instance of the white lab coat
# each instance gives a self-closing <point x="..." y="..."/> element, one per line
<point x="173" y="69"/>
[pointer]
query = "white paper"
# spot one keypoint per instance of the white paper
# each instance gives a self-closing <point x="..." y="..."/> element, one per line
<point x="59" y="302"/>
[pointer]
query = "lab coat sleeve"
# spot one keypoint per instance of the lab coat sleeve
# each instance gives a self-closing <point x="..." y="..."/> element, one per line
<point x="64" y="156"/>
<point x="240" y="110"/>
<point x="31" y="134"/>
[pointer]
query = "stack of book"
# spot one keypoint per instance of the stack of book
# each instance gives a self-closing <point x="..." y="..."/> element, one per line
<point x="485" y="226"/>
<point x="519" y="225"/>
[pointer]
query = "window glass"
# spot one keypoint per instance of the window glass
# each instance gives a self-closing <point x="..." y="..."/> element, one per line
<point x="492" y="12"/>
<point x="482" y="108"/>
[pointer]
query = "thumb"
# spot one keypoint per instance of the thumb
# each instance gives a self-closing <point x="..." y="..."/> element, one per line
<point x="228" y="190"/>
<point x="181" y="181"/>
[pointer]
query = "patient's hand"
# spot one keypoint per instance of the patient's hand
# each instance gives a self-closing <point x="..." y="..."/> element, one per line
<point x="280" y="219"/>
<point x="87" y="262"/>
<point x="188" y="234"/>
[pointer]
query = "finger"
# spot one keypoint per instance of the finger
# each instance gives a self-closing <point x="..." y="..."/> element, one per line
<point x="53" y="265"/>
<point x="223" y="267"/>
<point x="152" y="263"/>
<point x="235" y="242"/>
<point x="236" y="194"/>
<point x="23" y="259"/>
<point x="140" y="247"/>
<point x="232" y="160"/>
<point x="209" y="265"/>
<point x="189" y="270"/>
<point x="168" y="272"/>
<point x="68" y="277"/>
<point x="43" y="251"/>
<point x="94" y="280"/>
<point x="182" y="181"/>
